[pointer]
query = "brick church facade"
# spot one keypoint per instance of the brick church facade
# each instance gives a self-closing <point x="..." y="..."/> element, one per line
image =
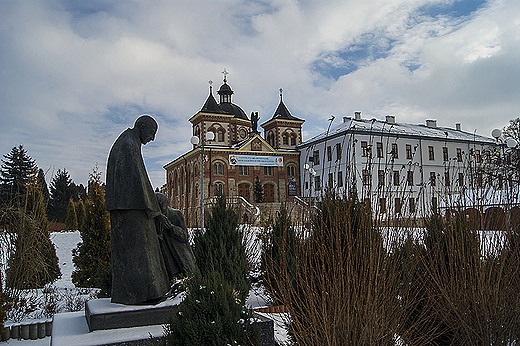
<point x="238" y="155"/>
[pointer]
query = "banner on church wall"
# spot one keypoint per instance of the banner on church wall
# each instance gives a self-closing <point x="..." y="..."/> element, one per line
<point x="253" y="160"/>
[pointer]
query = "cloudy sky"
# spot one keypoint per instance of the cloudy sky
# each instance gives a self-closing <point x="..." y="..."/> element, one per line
<point x="74" y="74"/>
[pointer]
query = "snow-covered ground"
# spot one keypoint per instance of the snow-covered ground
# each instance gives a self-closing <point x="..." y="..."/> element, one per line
<point x="66" y="241"/>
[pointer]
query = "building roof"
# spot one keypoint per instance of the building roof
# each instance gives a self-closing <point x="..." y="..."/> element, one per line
<point x="211" y="106"/>
<point x="283" y="113"/>
<point x="380" y="127"/>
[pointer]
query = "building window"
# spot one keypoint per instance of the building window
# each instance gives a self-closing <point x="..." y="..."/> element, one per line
<point x="433" y="179"/>
<point x="285" y="139"/>
<point x="409" y="178"/>
<point x="398" y="205"/>
<point x="317" y="183"/>
<point x="367" y="179"/>
<point x="446" y="179"/>
<point x="461" y="179"/>
<point x="478" y="158"/>
<point x="445" y="153"/>
<point x="431" y="153"/>
<point x="379" y="149"/>
<point x="268" y="170"/>
<point x="316" y="157"/>
<point x="218" y="189"/>
<point x="338" y="151"/>
<point x="408" y="151"/>
<point x="382" y="205"/>
<point x="459" y="154"/>
<point x="243" y="170"/>
<point x="329" y="153"/>
<point x="220" y="135"/>
<point x="434" y="205"/>
<point x="340" y="179"/>
<point x="381" y="178"/>
<point x="331" y="180"/>
<point x="306" y="185"/>
<point x="293" y="140"/>
<point x="290" y="171"/>
<point x="218" y="168"/>
<point x="395" y="152"/>
<point x="365" y="149"/>
<point x="396" y="178"/>
<point x="411" y="204"/>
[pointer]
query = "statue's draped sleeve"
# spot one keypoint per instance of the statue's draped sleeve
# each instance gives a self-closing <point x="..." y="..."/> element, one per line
<point x="127" y="183"/>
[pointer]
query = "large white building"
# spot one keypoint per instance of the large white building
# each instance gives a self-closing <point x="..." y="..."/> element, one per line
<point x="405" y="169"/>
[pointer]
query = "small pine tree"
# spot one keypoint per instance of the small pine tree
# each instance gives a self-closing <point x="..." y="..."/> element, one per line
<point x="80" y="213"/>
<point x="72" y="219"/>
<point x="258" y="191"/>
<point x="62" y="190"/>
<point x="43" y="187"/>
<point x="211" y="314"/>
<point x="220" y="248"/>
<point x="213" y="311"/>
<point x="92" y="255"/>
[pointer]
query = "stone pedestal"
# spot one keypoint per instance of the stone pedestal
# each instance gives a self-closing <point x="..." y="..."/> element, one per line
<point x="101" y="314"/>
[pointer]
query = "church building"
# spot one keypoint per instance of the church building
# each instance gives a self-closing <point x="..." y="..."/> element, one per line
<point x="236" y="156"/>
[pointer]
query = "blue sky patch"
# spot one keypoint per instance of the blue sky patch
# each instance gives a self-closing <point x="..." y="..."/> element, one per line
<point x="369" y="48"/>
<point x="457" y="9"/>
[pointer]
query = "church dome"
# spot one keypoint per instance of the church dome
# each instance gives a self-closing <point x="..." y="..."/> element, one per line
<point x="234" y="109"/>
<point x="226" y="105"/>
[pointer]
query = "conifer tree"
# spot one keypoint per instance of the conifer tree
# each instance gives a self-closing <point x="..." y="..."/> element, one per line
<point x="62" y="190"/>
<point x="213" y="311"/>
<point x="18" y="169"/>
<point x="43" y="187"/>
<point x="80" y="213"/>
<point x="72" y="219"/>
<point x="258" y="191"/>
<point x="220" y="248"/>
<point x="211" y="314"/>
<point x="92" y="255"/>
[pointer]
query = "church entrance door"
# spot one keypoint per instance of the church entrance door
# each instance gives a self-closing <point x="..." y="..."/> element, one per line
<point x="243" y="190"/>
<point x="268" y="193"/>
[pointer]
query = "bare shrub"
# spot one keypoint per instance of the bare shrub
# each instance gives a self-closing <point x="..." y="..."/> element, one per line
<point x="344" y="287"/>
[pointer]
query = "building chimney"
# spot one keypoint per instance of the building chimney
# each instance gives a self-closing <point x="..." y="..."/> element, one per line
<point x="390" y="119"/>
<point x="431" y="123"/>
<point x="345" y="119"/>
<point x="458" y="127"/>
<point x="357" y="115"/>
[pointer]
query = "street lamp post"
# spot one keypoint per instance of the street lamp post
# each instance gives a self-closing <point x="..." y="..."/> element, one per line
<point x="200" y="143"/>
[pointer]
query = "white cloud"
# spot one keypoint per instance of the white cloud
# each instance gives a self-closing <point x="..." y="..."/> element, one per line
<point x="76" y="74"/>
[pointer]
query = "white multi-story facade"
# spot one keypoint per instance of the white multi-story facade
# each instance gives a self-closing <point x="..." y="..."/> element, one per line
<point x="404" y="168"/>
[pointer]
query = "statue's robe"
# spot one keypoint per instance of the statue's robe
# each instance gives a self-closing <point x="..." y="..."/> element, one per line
<point x="175" y="247"/>
<point x="138" y="270"/>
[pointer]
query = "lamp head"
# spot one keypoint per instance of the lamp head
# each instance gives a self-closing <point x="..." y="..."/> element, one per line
<point x="194" y="140"/>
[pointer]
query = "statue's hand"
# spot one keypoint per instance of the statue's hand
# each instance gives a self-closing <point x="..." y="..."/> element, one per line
<point x="162" y="224"/>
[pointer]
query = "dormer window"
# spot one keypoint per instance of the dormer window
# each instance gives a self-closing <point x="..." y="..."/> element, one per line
<point x="285" y="139"/>
<point x="220" y="135"/>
